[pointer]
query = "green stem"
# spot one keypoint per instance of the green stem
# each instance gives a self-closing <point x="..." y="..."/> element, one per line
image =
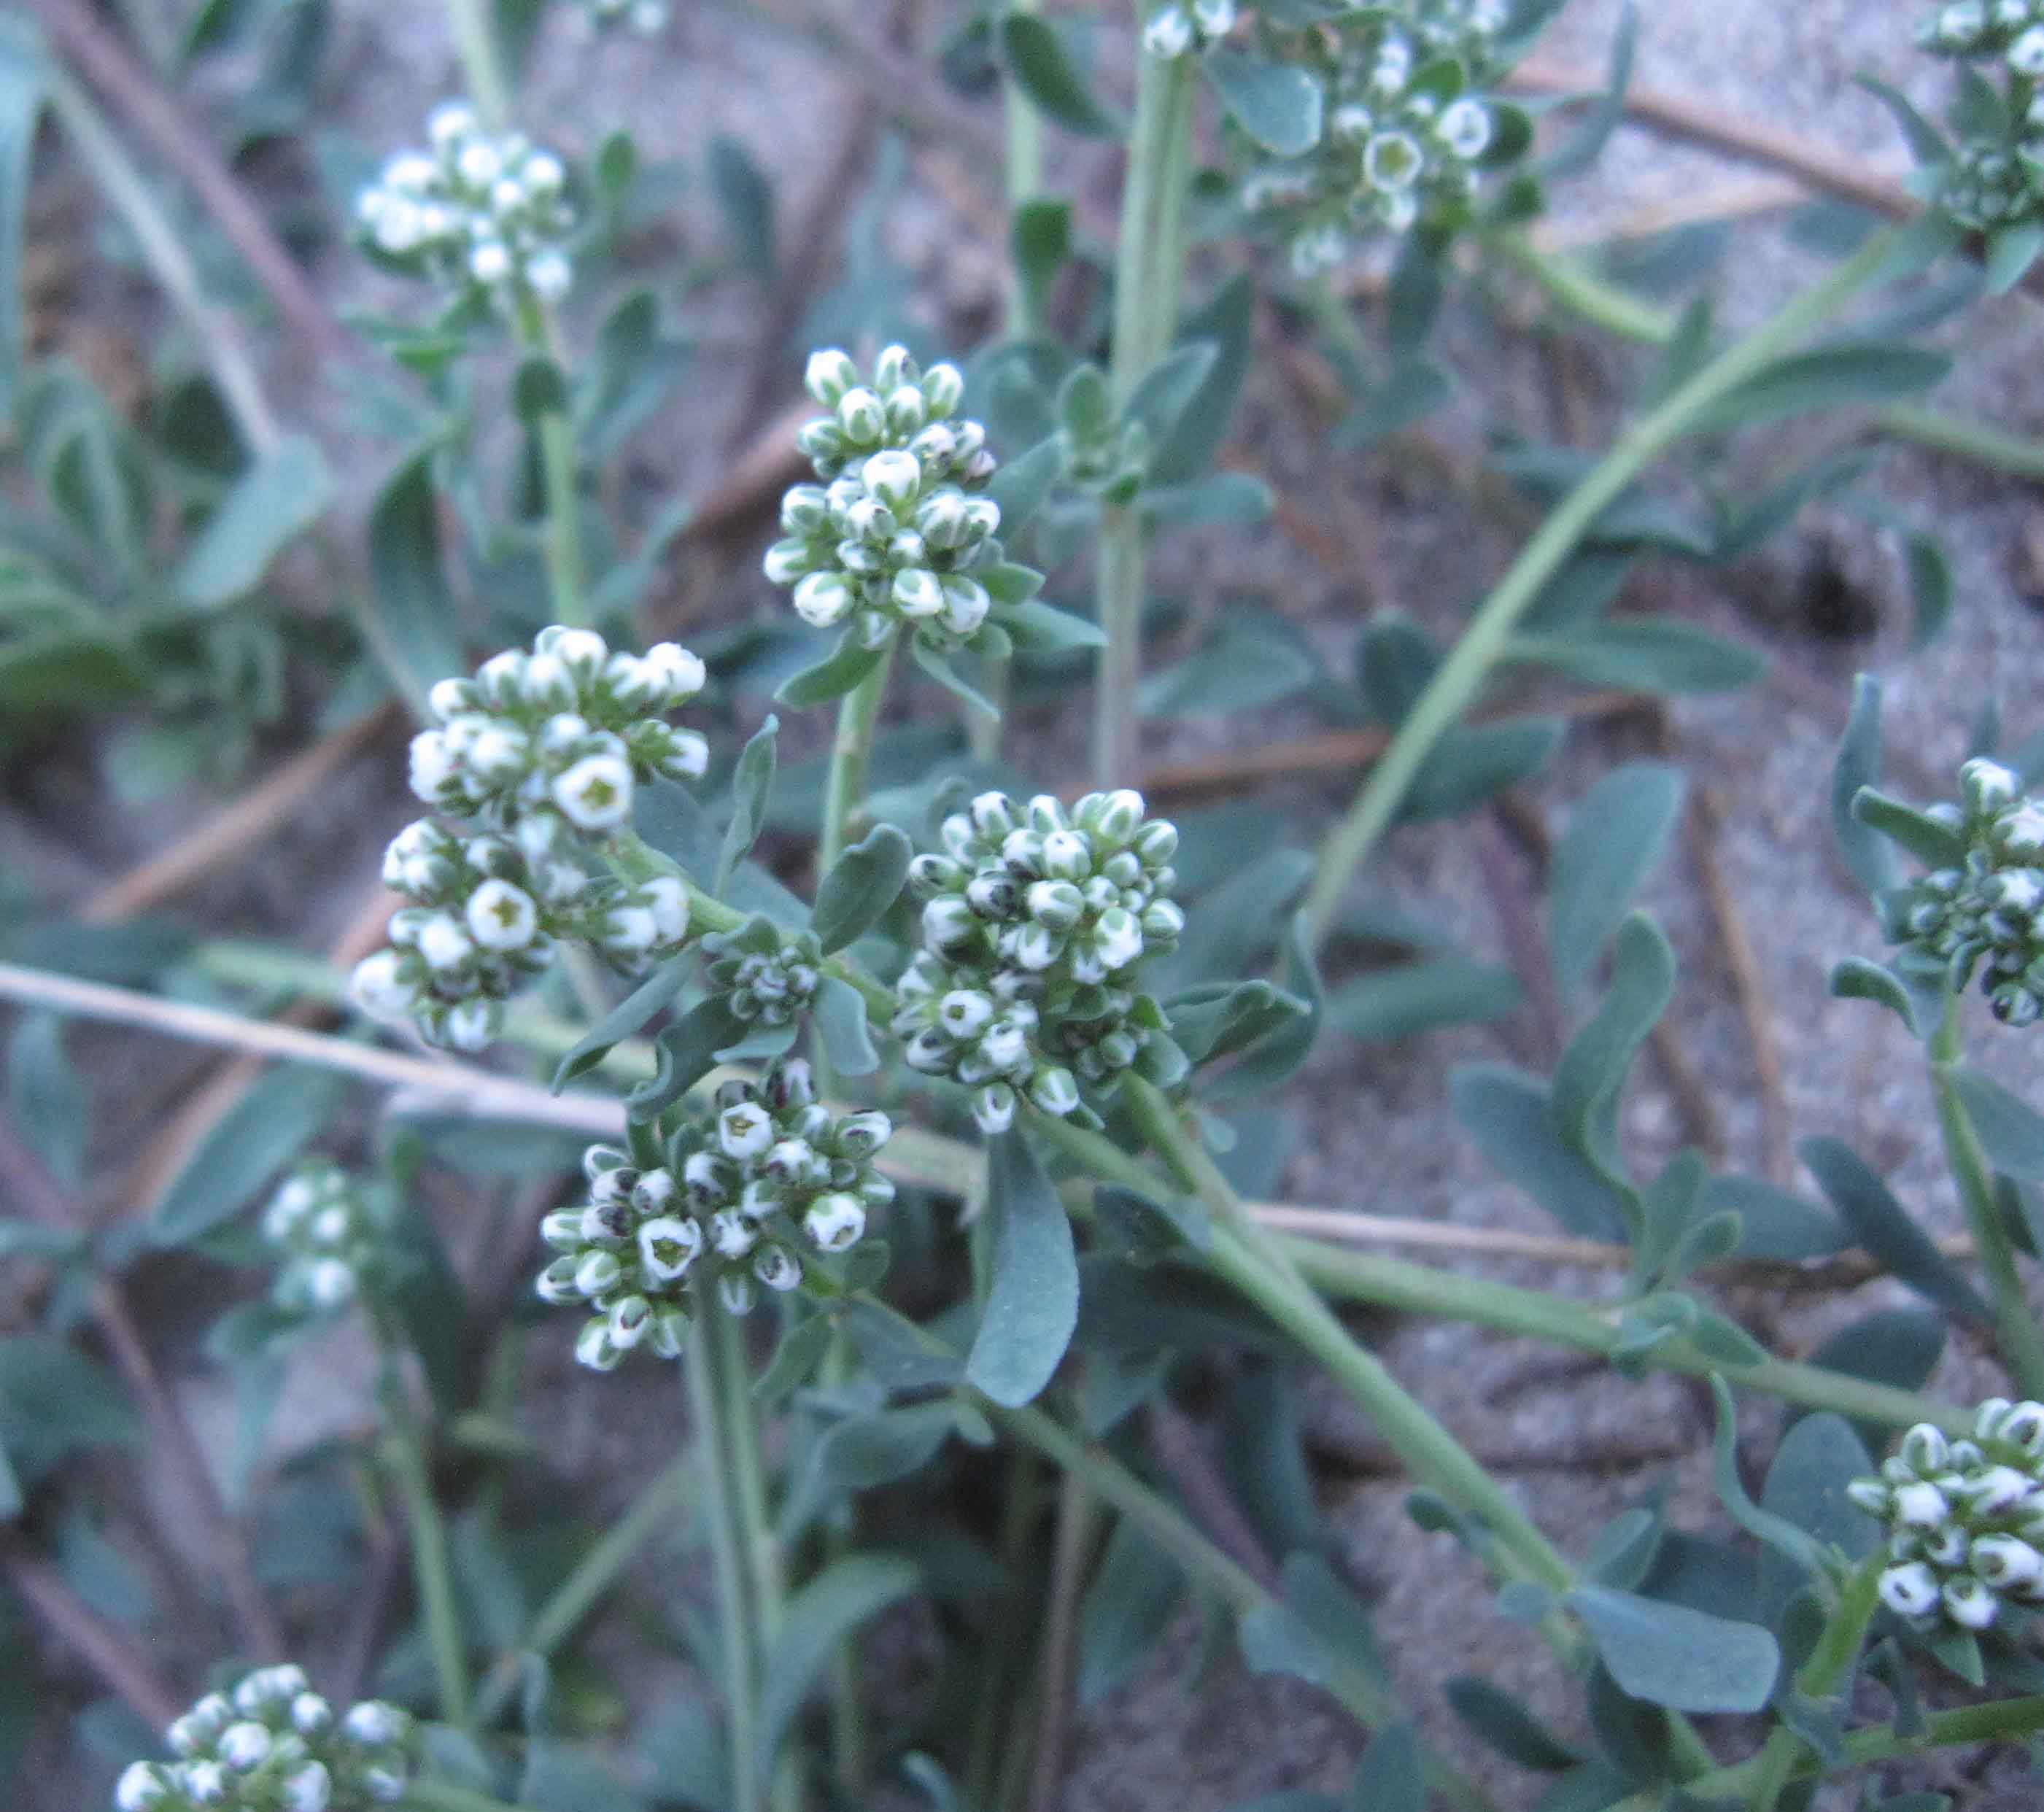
<point x="1461" y="675"/>
<point x="1021" y="1505"/>
<point x="405" y="1460"/>
<point x="482" y="61"/>
<point x="1618" y="311"/>
<point x="1247" y="1257"/>
<point x="1204" y="1564"/>
<point x="851" y="756"/>
<point x="539" y="336"/>
<point x="1830" y="1662"/>
<point x="654" y="1509"/>
<point x="2022" y="1341"/>
<point x="727" y="1555"/>
<point x="1145" y="308"/>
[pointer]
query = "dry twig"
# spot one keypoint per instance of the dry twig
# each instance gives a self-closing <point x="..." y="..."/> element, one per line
<point x="103" y="1647"/>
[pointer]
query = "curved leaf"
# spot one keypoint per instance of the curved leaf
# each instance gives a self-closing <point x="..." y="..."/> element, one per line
<point x="1033" y="1304"/>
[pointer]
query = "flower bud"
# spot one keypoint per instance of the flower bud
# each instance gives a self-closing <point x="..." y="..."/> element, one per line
<point x="823" y="600"/>
<point x="830" y="374"/>
<point x="861" y="417"/>
<point x="1910" y="1591"/>
<point x="943" y="390"/>
<point x="835" y="1222"/>
<point x="596" y="794"/>
<point x="777" y="1268"/>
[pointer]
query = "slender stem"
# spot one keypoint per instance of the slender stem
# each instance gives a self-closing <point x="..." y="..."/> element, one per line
<point x="1007" y="1627"/>
<point x="761" y="1548"/>
<point x="2022" y="1341"/>
<point x="1830" y="1662"/>
<point x="594" y="1575"/>
<point x="539" y="334"/>
<point x="1207" y="1567"/>
<point x="1992" y="448"/>
<point x="405" y="1459"/>
<point x="1461" y="675"/>
<point x="851" y="756"/>
<point x="1145" y="304"/>
<point x="167" y="253"/>
<point x="1078" y="1524"/>
<point x="741" y="1686"/>
<point x="482" y="61"/>
<point x="1250" y="1258"/>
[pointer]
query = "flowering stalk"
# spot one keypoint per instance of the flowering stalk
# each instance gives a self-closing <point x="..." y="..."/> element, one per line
<point x="1461" y="675"/>
<point x="1830" y="1664"/>
<point x="851" y="755"/>
<point x="483" y="68"/>
<point x="1146" y="312"/>
<point x="2021" y="1340"/>
<point x="538" y="333"/>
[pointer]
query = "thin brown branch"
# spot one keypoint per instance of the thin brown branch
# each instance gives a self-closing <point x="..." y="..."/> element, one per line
<point x="1702" y="828"/>
<point x="100" y="1645"/>
<point x="222" y="839"/>
<point x="1078" y="1522"/>
<point x="180" y="145"/>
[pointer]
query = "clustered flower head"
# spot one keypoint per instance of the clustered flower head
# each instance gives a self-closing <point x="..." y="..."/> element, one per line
<point x="544" y="751"/>
<point x="273" y="1745"/>
<point x="1181" y="26"/>
<point x="895" y="531"/>
<point x="766" y="976"/>
<point x="1995" y="180"/>
<point x="481" y="212"/>
<point x="1408" y="126"/>
<point x="1965" y="1519"/>
<point x="646" y="18"/>
<point x="1987" y="915"/>
<point x="324" y="1227"/>
<point x="1034" y="921"/>
<point x="773" y="1175"/>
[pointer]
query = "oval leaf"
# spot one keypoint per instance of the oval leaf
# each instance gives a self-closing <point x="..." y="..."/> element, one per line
<point x="1278" y="105"/>
<point x="1671" y="1655"/>
<point x="1032" y="1304"/>
<point x="866" y="880"/>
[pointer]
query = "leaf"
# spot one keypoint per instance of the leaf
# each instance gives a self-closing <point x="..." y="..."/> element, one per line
<point x="1868" y="855"/>
<point x="1131" y="1602"/>
<point x="866" y="880"/>
<point x="21" y="78"/>
<point x="1849" y="374"/>
<point x="1166" y="391"/>
<point x="1278" y="105"/>
<point x="281" y="495"/>
<point x="1926" y="144"/>
<point x="1036" y="627"/>
<point x="1032" y="1301"/>
<point x="752" y="787"/>
<point x="539" y="388"/>
<point x="1614" y="840"/>
<point x="1880" y="1225"/>
<point x="861" y="1452"/>
<point x="47" y="1098"/>
<point x="1040" y="240"/>
<point x="2010" y="254"/>
<point x="745" y="198"/>
<point x="1506" y="1726"/>
<point x="1226" y="322"/>
<point x="412" y="624"/>
<point x="1932" y="843"/>
<point x="814" y="1623"/>
<point x="1319" y="1627"/>
<point x="635" y="364"/>
<point x="1219" y="498"/>
<point x="1395" y="661"/>
<point x="1819" y="1457"/>
<point x="1277" y="1055"/>
<point x="1476" y="762"/>
<point x="839" y="1013"/>
<point x="1040" y="65"/>
<point x="795" y="1360"/>
<point x="683" y="1055"/>
<point x="2011" y="1131"/>
<point x="1592" y="1070"/>
<point x="1856" y="979"/>
<point x="936" y="663"/>
<point x="261" y="1133"/>
<point x="1022" y="486"/>
<point x="1247" y="665"/>
<point x="1416" y="997"/>
<point x="1774" y="1225"/>
<point x="1643" y="654"/>
<point x="1509" y="1119"/>
<point x="832" y="677"/>
<point x="629" y="1016"/>
<point x="1391" y="1777"/>
<point x="55" y="1402"/>
<point x="1671" y="1655"/>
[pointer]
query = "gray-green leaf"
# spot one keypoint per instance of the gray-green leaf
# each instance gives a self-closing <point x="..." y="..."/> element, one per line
<point x="1033" y="1304"/>
<point x="1671" y="1655"/>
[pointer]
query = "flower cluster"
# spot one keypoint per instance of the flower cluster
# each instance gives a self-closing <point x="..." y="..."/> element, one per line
<point x="1995" y="178"/>
<point x="1179" y="26"/>
<point x="325" y="1228"/>
<point x="733" y="1207"/>
<point x="273" y="1745"/>
<point x="1409" y="126"/>
<point x="896" y="531"/>
<point x="544" y="751"/>
<point x="647" y="17"/>
<point x="1034" y="921"/>
<point x="1987" y="915"/>
<point x="766" y="976"/>
<point x="1965" y="1519"/>
<point x="480" y="212"/>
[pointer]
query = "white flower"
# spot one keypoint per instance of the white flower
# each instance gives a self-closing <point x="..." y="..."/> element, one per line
<point x="550" y="275"/>
<point x="381" y="989"/>
<point x="141" y="1788"/>
<point x="823" y="600"/>
<point x="1920" y="1505"/>
<point x="489" y="262"/>
<point x="669" y="1245"/>
<point x="471" y="1025"/>
<point x="502" y="917"/>
<point x="307" y="1789"/>
<point x="744" y="1130"/>
<point x="1169" y="33"/>
<point x="777" y="1269"/>
<point x="667" y="899"/>
<point x="1464" y="128"/>
<point x="444" y="944"/>
<point x="245" y="1747"/>
<point x="330" y="1284"/>
<point x="433" y="764"/>
<point x="1910" y="1591"/>
<point x="596" y="793"/>
<point x="835" y="1222"/>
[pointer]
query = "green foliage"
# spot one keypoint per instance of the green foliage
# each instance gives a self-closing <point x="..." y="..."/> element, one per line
<point x="1032" y="1300"/>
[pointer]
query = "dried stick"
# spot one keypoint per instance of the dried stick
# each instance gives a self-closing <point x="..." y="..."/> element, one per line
<point x="1702" y="826"/>
<point x="172" y="1432"/>
<point x="218" y="841"/>
<point x="180" y="145"/>
<point x="101" y="1646"/>
<point x="1078" y="1520"/>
